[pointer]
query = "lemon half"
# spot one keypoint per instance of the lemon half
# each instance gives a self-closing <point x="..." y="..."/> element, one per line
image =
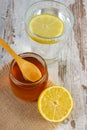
<point x="55" y="103"/>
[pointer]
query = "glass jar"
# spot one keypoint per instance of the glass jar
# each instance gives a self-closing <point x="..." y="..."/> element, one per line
<point x="23" y="88"/>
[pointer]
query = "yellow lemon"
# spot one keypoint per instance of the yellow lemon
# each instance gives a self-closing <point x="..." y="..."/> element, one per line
<point x="45" y="26"/>
<point x="55" y="103"/>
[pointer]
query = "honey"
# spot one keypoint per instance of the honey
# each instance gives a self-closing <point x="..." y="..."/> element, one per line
<point x="24" y="88"/>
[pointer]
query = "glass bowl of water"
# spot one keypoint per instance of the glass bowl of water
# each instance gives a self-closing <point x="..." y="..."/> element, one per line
<point x="49" y="47"/>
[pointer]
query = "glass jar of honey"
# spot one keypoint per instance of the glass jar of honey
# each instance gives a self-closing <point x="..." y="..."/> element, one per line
<point x="24" y="88"/>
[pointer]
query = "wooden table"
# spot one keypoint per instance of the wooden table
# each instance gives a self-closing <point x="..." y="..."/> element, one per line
<point x="71" y="68"/>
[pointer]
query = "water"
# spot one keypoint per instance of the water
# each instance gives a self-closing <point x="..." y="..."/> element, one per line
<point x="50" y="51"/>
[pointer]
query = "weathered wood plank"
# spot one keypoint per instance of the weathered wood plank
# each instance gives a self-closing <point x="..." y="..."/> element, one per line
<point x="71" y="68"/>
<point x="6" y="26"/>
<point x="80" y="29"/>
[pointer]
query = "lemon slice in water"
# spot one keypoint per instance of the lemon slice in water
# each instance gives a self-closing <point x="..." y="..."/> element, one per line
<point x="45" y="26"/>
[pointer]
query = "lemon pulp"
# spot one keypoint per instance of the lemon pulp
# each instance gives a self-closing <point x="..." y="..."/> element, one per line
<point x="45" y="26"/>
<point x="55" y="103"/>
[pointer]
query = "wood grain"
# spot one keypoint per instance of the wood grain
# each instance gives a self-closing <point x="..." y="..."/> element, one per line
<point x="80" y="29"/>
<point x="70" y="70"/>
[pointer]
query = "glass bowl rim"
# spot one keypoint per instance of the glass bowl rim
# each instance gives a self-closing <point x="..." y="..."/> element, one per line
<point x="42" y="37"/>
